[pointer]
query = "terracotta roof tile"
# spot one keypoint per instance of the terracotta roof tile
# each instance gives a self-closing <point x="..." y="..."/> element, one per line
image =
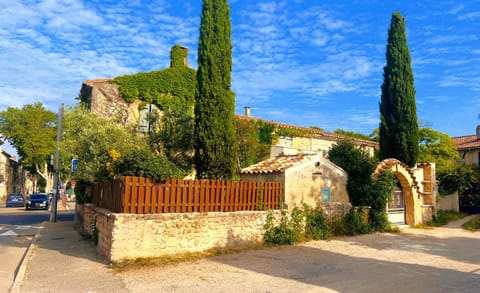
<point x="466" y="142"/>
<point x="277" y="164"/>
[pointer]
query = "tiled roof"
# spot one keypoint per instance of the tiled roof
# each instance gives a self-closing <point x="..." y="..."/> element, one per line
<point x="314" y="133"/>
<point x="277" y="164"/>
<point x="466" y="142"/>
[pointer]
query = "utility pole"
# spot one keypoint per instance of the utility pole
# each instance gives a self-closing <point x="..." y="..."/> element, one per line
<point x="53" y="213"/>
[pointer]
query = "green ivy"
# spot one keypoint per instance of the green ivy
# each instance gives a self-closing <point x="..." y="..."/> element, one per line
<point x="285" y="131"/>
<point x="158" y="87"/>
<point x="177" y="55"/>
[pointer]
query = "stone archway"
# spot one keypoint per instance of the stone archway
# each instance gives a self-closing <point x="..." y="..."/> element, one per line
<point x="409" y="185"/>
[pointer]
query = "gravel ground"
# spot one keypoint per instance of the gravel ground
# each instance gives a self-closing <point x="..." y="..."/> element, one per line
<point x="439" y="260"/>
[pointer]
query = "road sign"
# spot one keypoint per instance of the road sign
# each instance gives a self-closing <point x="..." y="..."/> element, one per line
<point x="74" y="165"/>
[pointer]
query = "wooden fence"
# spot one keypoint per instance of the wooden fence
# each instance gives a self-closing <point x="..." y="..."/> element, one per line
<point x="139" y="195"/>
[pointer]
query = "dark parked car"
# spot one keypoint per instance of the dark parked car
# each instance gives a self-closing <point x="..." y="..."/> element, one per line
<point x="37" y="201"/>
<point x="15" y="200"/>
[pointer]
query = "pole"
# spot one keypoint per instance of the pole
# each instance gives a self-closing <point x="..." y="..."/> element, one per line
<point x="53" y="213"/>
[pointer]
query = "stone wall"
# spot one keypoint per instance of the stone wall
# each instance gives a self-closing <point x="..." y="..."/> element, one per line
<point x="104" y="99"/>
<point x="427" y="213"/>
<point x="130" y="236"/>
<point x="335" y="210"/>
<point x="304" y="183"/>
<point x="449" y="202"/>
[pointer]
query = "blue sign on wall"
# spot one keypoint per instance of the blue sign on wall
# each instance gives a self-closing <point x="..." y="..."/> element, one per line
<point x="326" y="194"/>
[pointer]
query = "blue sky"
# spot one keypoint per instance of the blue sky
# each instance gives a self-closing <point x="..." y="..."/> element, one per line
<point x="307" y="63"/>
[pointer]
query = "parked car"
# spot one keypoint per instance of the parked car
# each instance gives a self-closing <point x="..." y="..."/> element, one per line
<point x="15" y="200"/>
<point x="37" y="201"/>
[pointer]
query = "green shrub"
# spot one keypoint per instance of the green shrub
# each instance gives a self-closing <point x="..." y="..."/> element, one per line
<point x="354" y="222"/>
<point x="80" y="193"/>
<point x="316" y="226"/>
<point x="282" y="234"/>
<point x="472" y="225"/>
<point x="444" y="217"/>
<point x="144" y="163"/>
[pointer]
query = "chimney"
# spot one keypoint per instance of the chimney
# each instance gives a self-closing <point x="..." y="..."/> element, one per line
<point x="185" y="60"/>
<point x="247" y="113"/>
<point x="478" y="131"/>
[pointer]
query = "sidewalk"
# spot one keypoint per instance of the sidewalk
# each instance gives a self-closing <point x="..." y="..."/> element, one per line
<point x="60" y="260"/>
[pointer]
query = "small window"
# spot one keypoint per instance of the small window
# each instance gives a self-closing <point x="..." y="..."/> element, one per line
<point x="148" y="118"/>
<point x="326" y="194"/>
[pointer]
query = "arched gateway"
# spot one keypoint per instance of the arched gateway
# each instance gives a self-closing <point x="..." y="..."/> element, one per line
<point x="416" y="190"/>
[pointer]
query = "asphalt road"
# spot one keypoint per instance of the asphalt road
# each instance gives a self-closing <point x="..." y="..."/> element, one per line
<point x="17" y="229"/>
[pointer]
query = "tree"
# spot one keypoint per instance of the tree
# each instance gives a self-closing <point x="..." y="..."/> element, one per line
<point x="398" y="119"/>
<point x="32" y="131"/>
<point x="363" y="188"/>
<point x="215" y="148"/>
<point x="251" y="148"/>
<point x="359" y="167"/>
<point x="106" y="149"/>
<point x="438" y="148"/>
<point x="175" y="137"/>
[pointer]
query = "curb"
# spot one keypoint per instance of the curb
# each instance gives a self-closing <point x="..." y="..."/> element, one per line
<point x="22" y="266"/>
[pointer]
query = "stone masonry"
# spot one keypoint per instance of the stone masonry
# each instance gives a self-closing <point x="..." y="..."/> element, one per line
<point x="131" y="236"/>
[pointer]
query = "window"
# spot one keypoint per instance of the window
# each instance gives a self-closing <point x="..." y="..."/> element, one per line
<point x="148" y="118"/>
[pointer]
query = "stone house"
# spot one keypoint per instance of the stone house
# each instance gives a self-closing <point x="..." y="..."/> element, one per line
<point x="311" y="140"/>
<point x="468" y="147"/>
<point x="297" y="160"/>
<point x="307" y="178"/>
<point x="13" y="179"/>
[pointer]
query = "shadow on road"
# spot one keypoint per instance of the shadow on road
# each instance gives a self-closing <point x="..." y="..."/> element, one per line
<point x="351" y="273"/>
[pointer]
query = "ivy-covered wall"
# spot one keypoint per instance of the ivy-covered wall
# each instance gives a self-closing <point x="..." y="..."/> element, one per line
<point x="161" y="87"/>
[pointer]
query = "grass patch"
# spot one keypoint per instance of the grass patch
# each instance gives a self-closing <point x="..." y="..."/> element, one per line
<point x="445" y="217"/>
<point x="167" y="260"/>
<point x="472" y="225"/>
<point x="393" y="229"/>
<point x="427" y="226"/>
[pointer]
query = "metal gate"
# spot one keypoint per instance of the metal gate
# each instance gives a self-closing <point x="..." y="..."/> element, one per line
<point x="396" y="207"/>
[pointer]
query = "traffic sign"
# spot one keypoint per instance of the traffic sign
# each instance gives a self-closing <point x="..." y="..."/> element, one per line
<point x="74" y="165"/>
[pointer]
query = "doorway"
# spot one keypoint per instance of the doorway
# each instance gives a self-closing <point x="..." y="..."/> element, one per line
<point x="396" y="206"/>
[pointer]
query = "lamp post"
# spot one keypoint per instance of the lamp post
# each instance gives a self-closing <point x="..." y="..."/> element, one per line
<point x="53" y="213"/>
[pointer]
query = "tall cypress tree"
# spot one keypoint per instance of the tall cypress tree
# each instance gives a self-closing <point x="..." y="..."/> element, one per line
<point x="215" y="149"/>
<point x="399" y="135"/>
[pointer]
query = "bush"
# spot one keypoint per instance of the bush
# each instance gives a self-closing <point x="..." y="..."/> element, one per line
<point x="282" y="234"/>
<point x="354" y="222"/>
<point x="80" y="193"/>
<point x="144" y="163"/>
<point x="316" y="226"/>
<point x="444" y="217"/>
<point x="472" y="225"/>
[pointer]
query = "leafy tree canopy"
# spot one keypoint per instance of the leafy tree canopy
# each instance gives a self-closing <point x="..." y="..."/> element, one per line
<point x="253" y="141"/>
<point x="105" y="149"/>
<point x="32" y="131"/>
<point x="362" y="187"/>
<point x="438" y="148"/>
<point x="459" y="177"/>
